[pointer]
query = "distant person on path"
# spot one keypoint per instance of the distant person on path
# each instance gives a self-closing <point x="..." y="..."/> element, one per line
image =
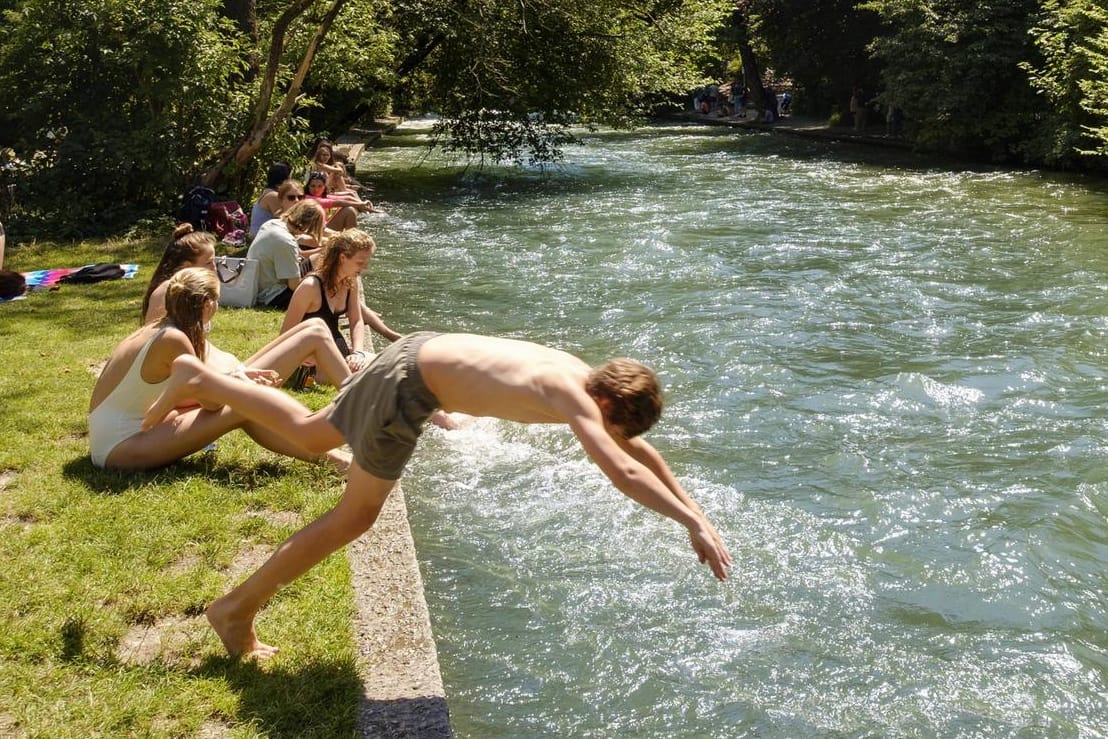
<point x="380" y="413"/>
<point x="893" y="119"/>
<point x="858" y="108"/>
<point x="3" y="241"/>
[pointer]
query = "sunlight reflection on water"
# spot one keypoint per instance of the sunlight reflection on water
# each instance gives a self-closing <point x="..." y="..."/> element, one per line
<point x="884" y="383"/>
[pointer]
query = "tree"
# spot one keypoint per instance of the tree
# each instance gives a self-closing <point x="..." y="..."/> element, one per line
<point x="953" y="68"/>
<point x="266" y="115"/>
<point x="140" y="97"/>
<point x="116" y="99"/>
<point x="1072" y="39"/>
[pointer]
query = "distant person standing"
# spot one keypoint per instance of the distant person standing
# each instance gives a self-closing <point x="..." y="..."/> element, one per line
<point x="858" y="108"/>
<point x="893" y="118"/>
<point x="3" y="239"/>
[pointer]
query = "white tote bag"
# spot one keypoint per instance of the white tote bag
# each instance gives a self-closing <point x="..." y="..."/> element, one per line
<point x="239" y="281"/>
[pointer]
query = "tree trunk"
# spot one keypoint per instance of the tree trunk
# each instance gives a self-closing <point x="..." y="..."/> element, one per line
<point x="752" y="78"/>
<point x="265" y="119"/>
<point x="752" y="72"/>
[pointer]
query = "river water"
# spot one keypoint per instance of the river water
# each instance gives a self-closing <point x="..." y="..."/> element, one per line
<point x="885" y="382"/>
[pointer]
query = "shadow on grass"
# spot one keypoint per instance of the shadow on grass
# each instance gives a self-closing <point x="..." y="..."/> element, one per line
<point x="317" y="699"/>
<point x="201" y="464"/>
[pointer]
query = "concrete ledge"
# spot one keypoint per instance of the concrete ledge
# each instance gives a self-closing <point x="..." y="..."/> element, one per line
<point x="403" y="692"/>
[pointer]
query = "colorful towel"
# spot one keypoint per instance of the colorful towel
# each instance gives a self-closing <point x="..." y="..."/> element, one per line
<point x="44" y="278"/>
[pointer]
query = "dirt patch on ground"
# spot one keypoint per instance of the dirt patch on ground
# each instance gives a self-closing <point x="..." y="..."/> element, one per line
<point x="287" y="519"/>
<point x="167" y="640"/>
<point x="404" y="695"/>
<point x="9" y="727"/>
<point x="247" y="561"/>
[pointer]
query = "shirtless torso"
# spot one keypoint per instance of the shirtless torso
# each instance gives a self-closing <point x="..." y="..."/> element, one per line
<point x="514" y="380"/>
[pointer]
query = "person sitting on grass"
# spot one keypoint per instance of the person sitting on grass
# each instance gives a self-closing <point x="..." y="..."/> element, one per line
<point x="308" y="341"/>
<point x="269" y="202"/>
<point x="283" y="247"/>
<point x="342" y="210"/>
<point x="138" y="371"/>
<point x="331" y="291"/>
<point x="381" y="410"/>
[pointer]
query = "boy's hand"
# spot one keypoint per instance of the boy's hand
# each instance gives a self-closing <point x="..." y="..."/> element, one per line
<point x="709" y="549"/>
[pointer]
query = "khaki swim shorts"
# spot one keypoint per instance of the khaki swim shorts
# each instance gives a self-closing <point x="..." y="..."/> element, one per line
<point x="381" y="409"/>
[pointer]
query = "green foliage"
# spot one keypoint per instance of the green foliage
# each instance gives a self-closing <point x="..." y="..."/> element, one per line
<point x="952" y="67"/>
<point x="1072" y="38"/>
<point x="507" y="62"/>
<point x="118" y="99"/>
<point x="503" y="138"/>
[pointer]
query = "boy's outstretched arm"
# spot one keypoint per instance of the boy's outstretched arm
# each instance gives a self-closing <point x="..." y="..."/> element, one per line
<point x="645" y="453"/>
<point x="638" y="482"/>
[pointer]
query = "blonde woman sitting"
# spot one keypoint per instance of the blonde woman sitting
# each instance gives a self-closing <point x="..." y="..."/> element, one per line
<point x="136" y="375"/>
<point x="331" y="291"/>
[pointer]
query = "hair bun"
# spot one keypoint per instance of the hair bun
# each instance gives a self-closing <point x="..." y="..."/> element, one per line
<point x="182" y="229"/>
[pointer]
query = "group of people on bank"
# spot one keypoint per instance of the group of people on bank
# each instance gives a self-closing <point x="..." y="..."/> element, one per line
<point x="167" y="391"/>
<point x="733" y="100"/>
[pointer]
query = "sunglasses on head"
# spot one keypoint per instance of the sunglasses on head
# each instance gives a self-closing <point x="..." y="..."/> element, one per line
<point x="294" y="197"/>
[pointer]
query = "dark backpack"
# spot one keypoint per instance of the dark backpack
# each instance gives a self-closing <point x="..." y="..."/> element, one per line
<point x="95" y="273"/>
<point x="198" y="200"/>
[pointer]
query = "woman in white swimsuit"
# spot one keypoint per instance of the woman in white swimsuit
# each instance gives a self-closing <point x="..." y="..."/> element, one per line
<point x="134" y="377"/>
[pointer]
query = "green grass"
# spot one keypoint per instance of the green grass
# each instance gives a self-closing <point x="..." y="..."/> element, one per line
<point x="105" y="575"/>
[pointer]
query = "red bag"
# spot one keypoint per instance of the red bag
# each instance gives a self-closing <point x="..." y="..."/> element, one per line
<point x="226" y="217"/>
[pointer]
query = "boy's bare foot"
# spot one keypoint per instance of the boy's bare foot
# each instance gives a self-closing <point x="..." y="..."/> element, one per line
<point x="185" y="369"/>
<point x="237" y="635"/>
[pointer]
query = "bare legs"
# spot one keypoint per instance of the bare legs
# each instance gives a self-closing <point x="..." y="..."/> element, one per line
<point x="345" y="218"/>
<point x="309" y="339"/>
<point x="267" y="407"/>
<point x="232" y="616"/>
<point x="185" y="432"/>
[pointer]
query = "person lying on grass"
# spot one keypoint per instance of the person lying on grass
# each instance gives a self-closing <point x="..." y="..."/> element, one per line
<point x="381" y="410"/>
<point x="138" y="371"/>
<point x="309" y="341"/>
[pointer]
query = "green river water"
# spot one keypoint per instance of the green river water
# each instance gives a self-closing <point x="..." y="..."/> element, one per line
<point x="885" y="382"/>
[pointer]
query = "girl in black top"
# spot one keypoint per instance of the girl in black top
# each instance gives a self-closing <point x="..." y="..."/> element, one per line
<point x="333" y="290"/>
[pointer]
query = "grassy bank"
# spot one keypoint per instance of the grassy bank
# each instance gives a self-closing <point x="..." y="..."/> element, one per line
<point x="105" y="575"/>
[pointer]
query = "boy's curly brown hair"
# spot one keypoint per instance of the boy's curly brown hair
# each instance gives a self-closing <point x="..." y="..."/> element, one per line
<point x="632" y="391"/>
